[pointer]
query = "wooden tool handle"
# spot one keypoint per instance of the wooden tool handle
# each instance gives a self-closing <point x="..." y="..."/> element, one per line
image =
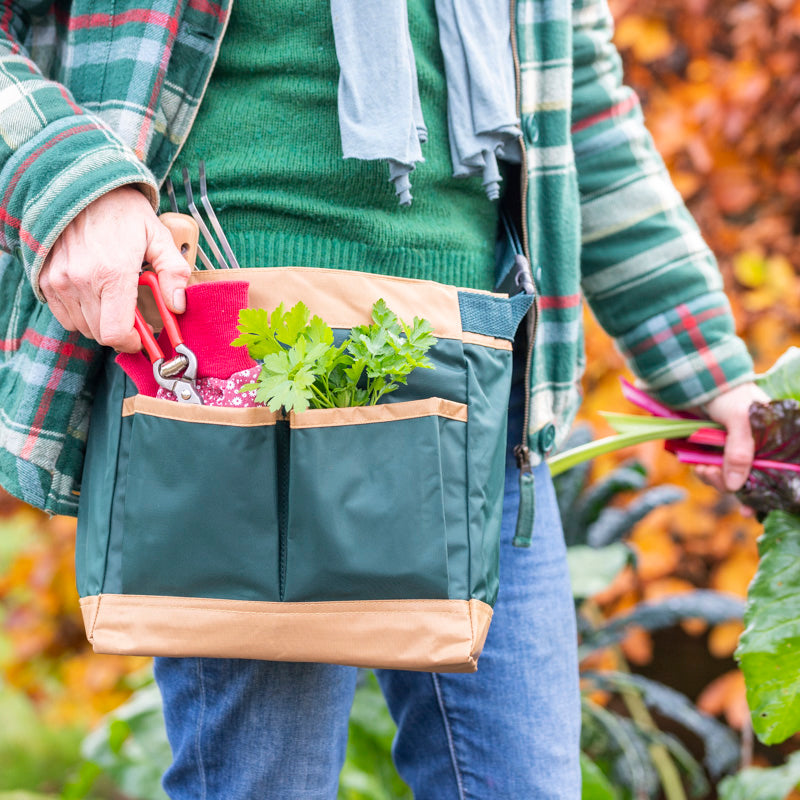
<point x="185" y="234"/>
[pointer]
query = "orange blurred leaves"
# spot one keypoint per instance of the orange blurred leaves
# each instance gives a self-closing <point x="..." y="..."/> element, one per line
<point x="726" y="695"/>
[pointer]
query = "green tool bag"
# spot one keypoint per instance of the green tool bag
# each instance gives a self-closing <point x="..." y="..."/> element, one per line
<point x="363" y="536"/>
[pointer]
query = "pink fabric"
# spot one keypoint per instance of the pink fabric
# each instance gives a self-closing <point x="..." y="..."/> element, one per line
<point x="224" y="391"/>
<point x="208" y="326"/>
<point x="138" y="368"/>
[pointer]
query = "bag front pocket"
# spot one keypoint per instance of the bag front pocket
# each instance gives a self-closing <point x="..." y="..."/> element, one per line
<point x="366" y="501"/>
<point x="200" y="511"/>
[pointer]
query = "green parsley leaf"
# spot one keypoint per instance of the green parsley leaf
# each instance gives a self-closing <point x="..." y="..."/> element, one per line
<point x="302" y="367"/>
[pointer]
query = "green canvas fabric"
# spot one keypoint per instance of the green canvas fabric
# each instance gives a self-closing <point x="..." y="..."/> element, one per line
<point x="601" y="217"/>
<point x="375" y="510"/>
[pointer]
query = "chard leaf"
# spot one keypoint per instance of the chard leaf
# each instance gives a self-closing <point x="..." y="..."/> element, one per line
<point x="769" y="648"/>
<point x="776" y="430"/>
<point x="782" y="380"/>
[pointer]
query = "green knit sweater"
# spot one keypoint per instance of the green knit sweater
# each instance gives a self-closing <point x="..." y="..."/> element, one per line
<point x="268" y="132"/>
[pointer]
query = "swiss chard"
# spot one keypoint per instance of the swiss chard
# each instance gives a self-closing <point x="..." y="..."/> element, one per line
<point x="303" y="368"/>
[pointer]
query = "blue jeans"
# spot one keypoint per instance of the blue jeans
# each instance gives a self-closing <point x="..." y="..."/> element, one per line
<point x="254" y="730"/>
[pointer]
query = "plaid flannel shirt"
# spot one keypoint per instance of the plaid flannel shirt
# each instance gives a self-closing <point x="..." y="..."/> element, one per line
<point x="91" y="100"/>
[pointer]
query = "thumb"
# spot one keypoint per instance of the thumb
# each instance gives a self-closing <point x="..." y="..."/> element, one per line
<point x="172" y="269"/>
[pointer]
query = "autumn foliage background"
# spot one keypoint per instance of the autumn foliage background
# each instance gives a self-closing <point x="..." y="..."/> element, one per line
<point x="720" y="85"/>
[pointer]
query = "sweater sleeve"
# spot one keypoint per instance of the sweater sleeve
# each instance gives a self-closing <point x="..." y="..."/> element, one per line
<point x="648" y="275"/>
<point x="55" y="157"/>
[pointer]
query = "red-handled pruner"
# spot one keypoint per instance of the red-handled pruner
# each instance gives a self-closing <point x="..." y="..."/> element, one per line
<point x="179" y="374"/>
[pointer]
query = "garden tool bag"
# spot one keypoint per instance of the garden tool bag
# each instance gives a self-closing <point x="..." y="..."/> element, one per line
<point x="362" y="536"/>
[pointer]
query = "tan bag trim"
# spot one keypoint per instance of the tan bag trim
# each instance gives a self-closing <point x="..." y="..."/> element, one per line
<point x="483" y="340"/>
<point x="253" y="417"/>
<point x="431" y="635"/>
<point x="313" y="418"/>
<point x="321" y="290"/>
<point x="388" y="412"/>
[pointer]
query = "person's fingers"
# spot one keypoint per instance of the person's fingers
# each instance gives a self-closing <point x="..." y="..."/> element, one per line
<point x="710" y="475"/>
<point x="172" y="269"/>
<point x="57" y="287"/>
<point x="116" y="316"/>
<point x="57" y="308"/>
<point x="738" y="453"/>
<point x="731" y="409"/>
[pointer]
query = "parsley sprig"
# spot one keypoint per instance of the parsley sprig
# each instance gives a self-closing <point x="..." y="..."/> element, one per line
<point x="303" y="368"/>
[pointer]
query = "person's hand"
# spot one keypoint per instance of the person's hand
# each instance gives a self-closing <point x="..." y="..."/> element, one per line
<point x="730" y="409"/>
<point x="90" y="278"/>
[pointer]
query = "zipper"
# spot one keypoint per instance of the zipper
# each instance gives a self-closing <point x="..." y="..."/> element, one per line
<point x="522" y="453"/>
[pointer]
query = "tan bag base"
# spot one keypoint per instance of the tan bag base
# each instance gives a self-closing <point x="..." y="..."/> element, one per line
<point x="428" y="635"/>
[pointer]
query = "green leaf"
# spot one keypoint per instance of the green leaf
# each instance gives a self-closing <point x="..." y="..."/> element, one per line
<point x="614" y="523"/>
<point x="136" y="764"/>
<point x="384" y="317"/>
<point x="757" y="783"/>
<point x="288" y="327"/>
<point x="769" y="648"/>
<point x="319" y="331"/>
<point x="594" y="784"/>
<point x="585" y="511"/>
<point x="711" y="606"/>
<point x="368" y="772"/>
<point x="626" y="745"/>
<point x="568" y="486"/>
<point x="256" y="333"/>
<point x="303" y="368"/>
<point x="687" y="763"/>
<point x="593" y="569"/>
<point x="118" y="732"/>
<point x="782" y="380"/>
<point x="721" y="745"/>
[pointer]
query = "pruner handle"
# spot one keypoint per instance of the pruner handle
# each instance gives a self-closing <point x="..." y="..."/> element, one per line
<point x="149" y="342"/>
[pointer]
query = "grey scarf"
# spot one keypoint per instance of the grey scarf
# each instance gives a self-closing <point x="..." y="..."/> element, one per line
<point x="379" y="110"/>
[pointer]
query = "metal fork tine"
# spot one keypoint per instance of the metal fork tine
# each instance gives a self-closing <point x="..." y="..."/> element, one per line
<point x="187" y="185"/>
<point x="173" y="202"/>
<point x="213" y="217"/>
<point x="205" y="260"/>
